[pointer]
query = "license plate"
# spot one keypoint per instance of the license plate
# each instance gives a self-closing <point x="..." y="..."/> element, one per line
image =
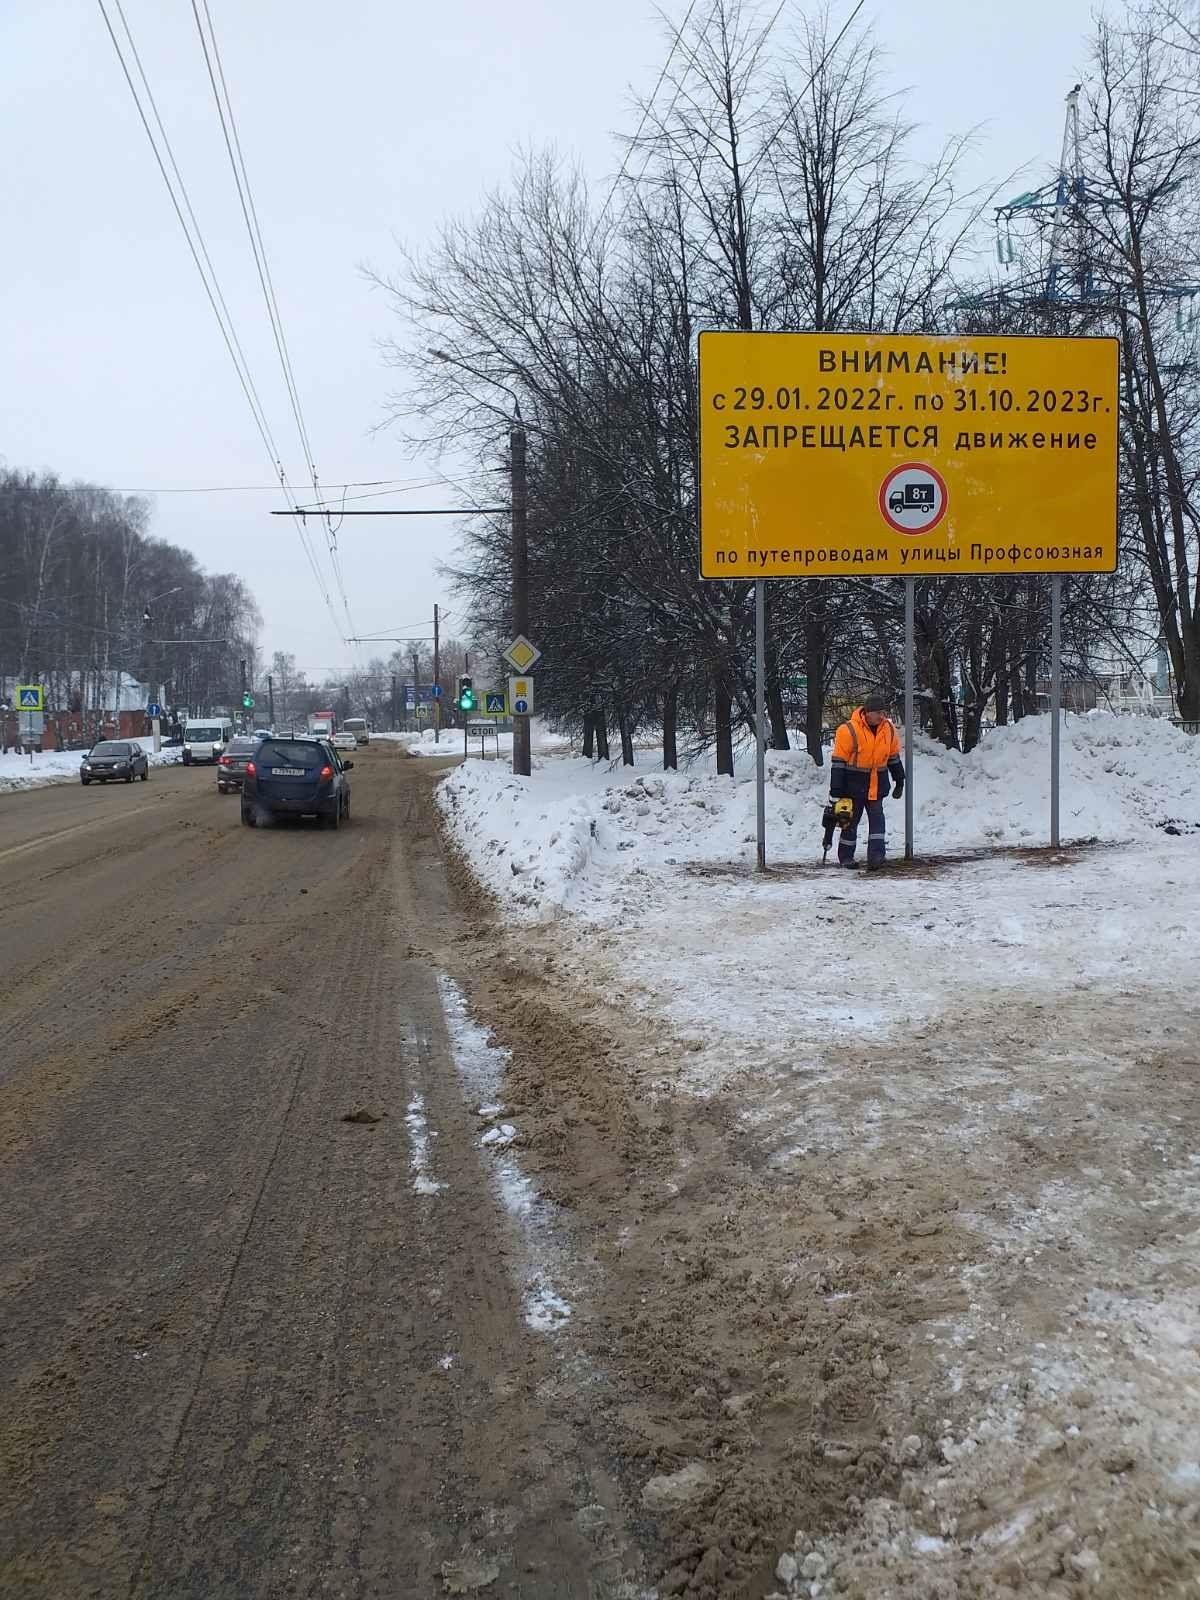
<point x="287" y="772"/>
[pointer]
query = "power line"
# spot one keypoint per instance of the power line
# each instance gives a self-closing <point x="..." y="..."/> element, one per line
<point x="385" y="486"/>
<point x="645" y="118"/>
<point x="820" y="67"/>
<point x="194" y="239"/>
<point x="241" y="178"/>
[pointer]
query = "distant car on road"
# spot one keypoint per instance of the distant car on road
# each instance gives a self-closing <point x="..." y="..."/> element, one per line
<point x="231" y="766"/>
<point x="296" y="777"/>
<point x="112" y="759"/>
<point x="344" y="741"/>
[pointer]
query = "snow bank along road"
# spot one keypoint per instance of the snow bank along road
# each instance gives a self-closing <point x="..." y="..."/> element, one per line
<point x="249" y="1348"/>
<point x="893" y="1184"/>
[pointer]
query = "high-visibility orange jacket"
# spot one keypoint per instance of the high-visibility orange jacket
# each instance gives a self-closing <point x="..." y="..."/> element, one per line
<point x="865" y="761"/>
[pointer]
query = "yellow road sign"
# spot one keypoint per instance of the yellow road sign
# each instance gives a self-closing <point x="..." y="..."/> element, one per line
<point x="852" y="455"/>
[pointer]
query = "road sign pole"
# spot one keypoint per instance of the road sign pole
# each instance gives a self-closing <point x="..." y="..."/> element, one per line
<point x="1055" y="699"/>
<point x="437" y="678"/>
<point x="910" y="606"/>
<point x="522" y="764"/>
<point x="760" y="718"/>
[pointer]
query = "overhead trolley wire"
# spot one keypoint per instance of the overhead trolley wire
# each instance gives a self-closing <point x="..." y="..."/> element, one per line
<point x="198" y="250"/>
<point x="241" y="178"/>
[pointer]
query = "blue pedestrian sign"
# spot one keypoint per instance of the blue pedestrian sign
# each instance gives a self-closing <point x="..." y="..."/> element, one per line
<point x="154" y="709"/>
<point x="495" y="703"/>
<point x="29" y="697"/>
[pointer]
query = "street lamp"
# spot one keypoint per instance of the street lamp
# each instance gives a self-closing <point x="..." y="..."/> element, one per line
<point x="149" y="659"/>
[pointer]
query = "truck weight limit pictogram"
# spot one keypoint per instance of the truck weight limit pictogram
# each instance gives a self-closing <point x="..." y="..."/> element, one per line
<point x="913" y="498"/>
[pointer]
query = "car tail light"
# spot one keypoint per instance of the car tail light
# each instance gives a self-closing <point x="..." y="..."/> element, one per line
<point x="327" y="772"/>
<point x="251" y="769"/>
<point x="225" y="761"/>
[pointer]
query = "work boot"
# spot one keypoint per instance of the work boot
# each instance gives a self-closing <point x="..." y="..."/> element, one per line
<point x="850" y="866"/>
<point x="876" y="866"/>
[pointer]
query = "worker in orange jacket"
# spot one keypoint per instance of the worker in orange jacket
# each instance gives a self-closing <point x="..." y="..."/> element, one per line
<point x="866" y="767"/>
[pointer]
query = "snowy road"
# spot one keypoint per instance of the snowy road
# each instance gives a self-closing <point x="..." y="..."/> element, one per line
<point x="251" y="1348"/>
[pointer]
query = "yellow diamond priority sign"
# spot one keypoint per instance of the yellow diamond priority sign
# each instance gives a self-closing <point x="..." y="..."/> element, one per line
<point x="522" y="654"/>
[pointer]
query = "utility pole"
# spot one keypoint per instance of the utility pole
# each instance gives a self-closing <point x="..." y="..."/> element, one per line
<point x="416" y="693"/>
<point x="394" y="728"/>
<point x="242" y="674"/>
<point x="437" y="678"/>
<point x="520" y="578"/>
<point x="271" y="698"/>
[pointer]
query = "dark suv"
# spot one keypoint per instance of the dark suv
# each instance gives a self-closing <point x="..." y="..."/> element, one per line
<point x="296" y="777"/>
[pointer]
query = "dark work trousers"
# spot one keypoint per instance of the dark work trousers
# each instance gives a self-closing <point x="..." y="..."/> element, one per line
<point x="876" y="832"/>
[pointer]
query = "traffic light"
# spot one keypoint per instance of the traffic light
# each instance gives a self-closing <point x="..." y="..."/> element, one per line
<point x="466" y="695"/>
<point x="247" y="702"/>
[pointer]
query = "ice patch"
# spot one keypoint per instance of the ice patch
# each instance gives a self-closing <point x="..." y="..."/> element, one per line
<point x="503" y="1133"/>
<point x="545" y="1310"/>
<point x="418" y="1133"/>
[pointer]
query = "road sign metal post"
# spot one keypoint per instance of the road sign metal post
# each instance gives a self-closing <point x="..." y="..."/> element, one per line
<point x="910" y="607"/>
<point x="760" y="719"/>
<point x="521" y="754"/>
<point x="1055" y="699"/>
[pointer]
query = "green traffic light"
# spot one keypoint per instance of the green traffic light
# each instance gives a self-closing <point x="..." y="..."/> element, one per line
<point x="247" y="702"/>
<point x="467" y="700"/>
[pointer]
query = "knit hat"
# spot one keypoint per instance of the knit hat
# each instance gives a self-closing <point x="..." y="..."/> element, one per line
<point x="875" y="702"/>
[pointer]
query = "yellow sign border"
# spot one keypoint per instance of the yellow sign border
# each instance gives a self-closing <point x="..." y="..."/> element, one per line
<point x="1021" y="497"/>
<point x="41" y="694"/>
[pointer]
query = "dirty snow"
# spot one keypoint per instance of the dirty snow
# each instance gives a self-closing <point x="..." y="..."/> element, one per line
<point x="542" y="1264"/>
<point x="1002" y="1047"/>
<point x="62" y="766"/>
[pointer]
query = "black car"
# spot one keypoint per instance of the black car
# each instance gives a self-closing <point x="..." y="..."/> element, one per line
<point x="231" y="767"/>
<point x="112" y="759"/>
<point x="295" y="777"/>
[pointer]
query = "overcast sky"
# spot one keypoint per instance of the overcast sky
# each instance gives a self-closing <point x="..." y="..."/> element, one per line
<point x="360" y="123"/>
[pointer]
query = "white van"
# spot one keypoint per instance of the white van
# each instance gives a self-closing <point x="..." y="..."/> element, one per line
<point x="205" y="738"/>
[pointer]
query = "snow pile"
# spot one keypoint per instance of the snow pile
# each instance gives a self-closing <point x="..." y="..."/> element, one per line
<point x="61" y="766"/>
<point x="576" y="834"/>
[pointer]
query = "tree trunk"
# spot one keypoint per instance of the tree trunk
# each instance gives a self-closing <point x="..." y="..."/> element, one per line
<point x="626" y="735"/>
<point x="774" y="688"/>
<point x="775" y="716"/>
<point x="1002" y="698"/>
<point x="589" y="733"/>
<point x="670" y="719"/>
<point x="814" y="667"/>
<point x="601" y="733"/>
<point x="724" y="721"/>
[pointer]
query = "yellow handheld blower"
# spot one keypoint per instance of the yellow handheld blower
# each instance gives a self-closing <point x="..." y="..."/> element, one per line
<point x="837" y="814"/>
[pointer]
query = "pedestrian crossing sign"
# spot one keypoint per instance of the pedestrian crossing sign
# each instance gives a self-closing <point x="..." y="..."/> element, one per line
<point x="495" y="703"/>
<point x="29" y="697"/>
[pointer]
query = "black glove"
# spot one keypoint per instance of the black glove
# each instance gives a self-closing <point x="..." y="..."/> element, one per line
<point x="898" y="790"/>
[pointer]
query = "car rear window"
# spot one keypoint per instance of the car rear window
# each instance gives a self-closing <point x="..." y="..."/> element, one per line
<point x="275" y="753"/>
<point x="242" y="747"/>
<point x="111" y="748"/>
